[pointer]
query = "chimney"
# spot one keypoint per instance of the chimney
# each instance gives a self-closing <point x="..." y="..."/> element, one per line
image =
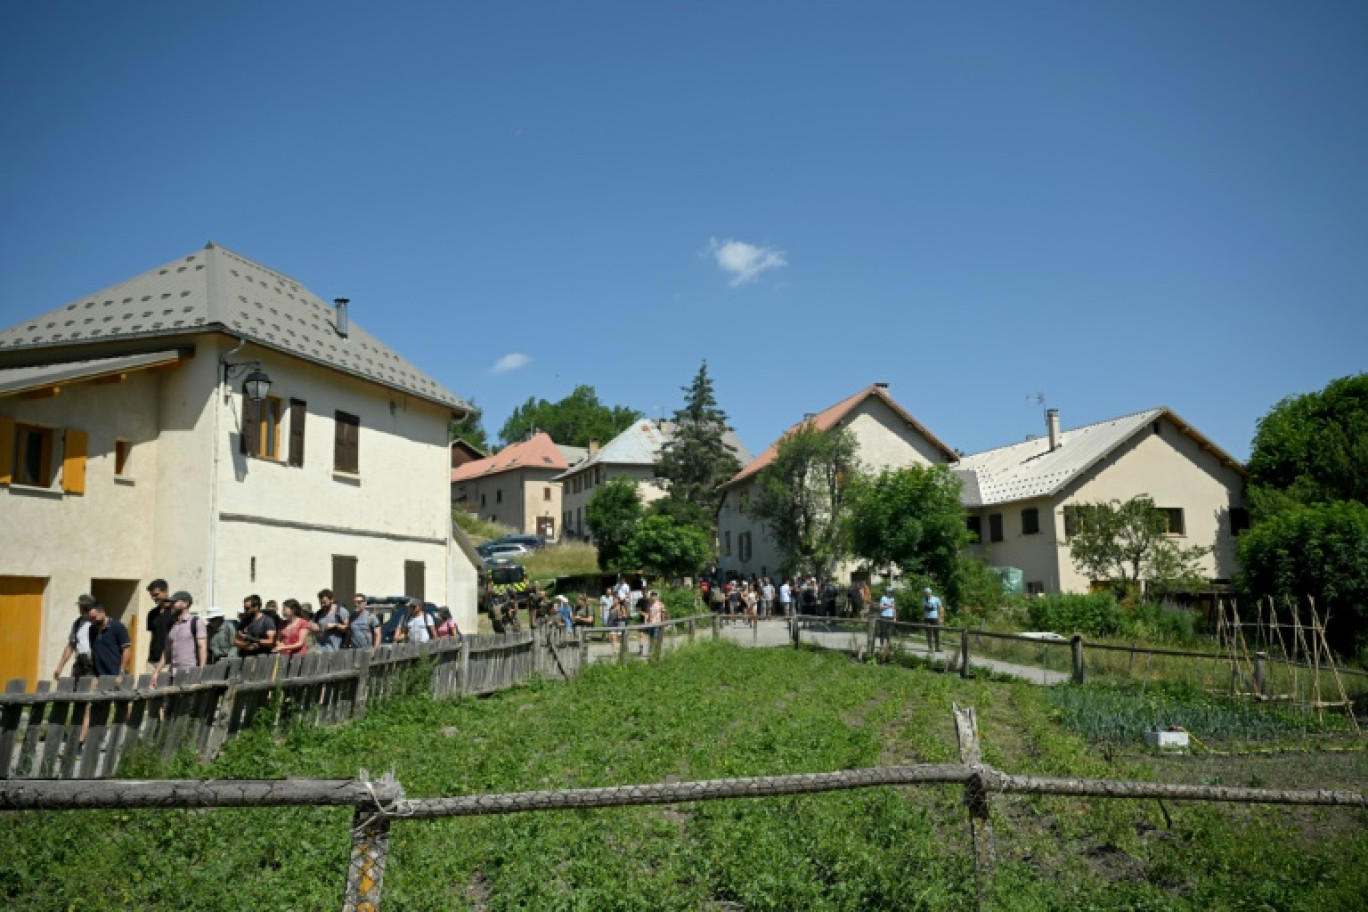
<point x="1052" y="425"/>
<point x="343" y="326"/>
<point x="883" y="385"/>
<point x="593" y="448"/>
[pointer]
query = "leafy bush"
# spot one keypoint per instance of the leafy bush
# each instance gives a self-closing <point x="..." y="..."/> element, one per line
<point x="1095" y="613"/>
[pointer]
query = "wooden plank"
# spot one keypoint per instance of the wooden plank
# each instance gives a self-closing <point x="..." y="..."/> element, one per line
<point x="95" y="739"/>
<point x="28" y="752"/>
<point x="10" y="717"/>
<point x="118" y="728"/>
<point x="55" y="734"/>
<point x="75" y="730"/>
<point x="137" y="718"/>
<point x="976" y="794"/>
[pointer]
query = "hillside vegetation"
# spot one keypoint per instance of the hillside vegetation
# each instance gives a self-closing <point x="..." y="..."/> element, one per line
<point x="709" y="712"/>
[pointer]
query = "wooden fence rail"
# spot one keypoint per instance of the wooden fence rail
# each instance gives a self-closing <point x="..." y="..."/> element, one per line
<point x="84" y="729"/>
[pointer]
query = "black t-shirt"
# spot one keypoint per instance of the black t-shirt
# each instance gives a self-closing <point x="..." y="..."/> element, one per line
<point x="261" y="625"/>
<point x="159" y="621"/>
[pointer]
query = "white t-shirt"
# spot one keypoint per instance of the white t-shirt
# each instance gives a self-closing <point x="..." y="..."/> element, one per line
<point x="418" y="628"/>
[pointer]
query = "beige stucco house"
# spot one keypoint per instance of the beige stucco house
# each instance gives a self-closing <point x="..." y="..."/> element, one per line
<point x="887" y="437"/>
<point x="129" y="451"/>
<point x="516" y="487"/>
<point x="634" y="454"/>
<point x="1019" y="496"/>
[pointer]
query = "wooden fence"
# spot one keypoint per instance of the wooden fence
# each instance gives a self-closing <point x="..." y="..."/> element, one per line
<point x="83" y="729"/>
<point x="376" y="804"/>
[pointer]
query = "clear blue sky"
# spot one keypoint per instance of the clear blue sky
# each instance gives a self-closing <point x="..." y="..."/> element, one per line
<point x="1118" y="205"/>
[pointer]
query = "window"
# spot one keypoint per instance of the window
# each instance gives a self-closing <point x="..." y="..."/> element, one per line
<point x="261" y="428"/>
<point x="1030" y="521"/>
<point x="32" y="455"/>
<point x="1072" y="522"/>
<point x="347" y="444"/>
<point x="1035" y="588"/>
<point x="482" y="498"/>
<point x="975" y="526"/>
<point x="498" y="496"/>
<point x="546" y="493"/>
<point x="1239" y="520"/>
<point x="1173" y="519"/>
<point x="743" y="546"/>
<point x="726" y="544"/>
<point x="298" y="416"/>
<point x="995" y="527"/>
<point x="122" y="449"/>
<point x="414" y="578"/>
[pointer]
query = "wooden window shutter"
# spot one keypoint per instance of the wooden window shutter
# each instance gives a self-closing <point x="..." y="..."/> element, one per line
<point x="346" y="449"/>
<point x="251" y="427"/>
<point x="74" y="461"/>
<point x="6" y="449"/>
<point x="298" y="413"/>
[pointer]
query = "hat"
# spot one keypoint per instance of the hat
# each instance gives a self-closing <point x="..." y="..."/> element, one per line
<point x="561" y="598"/>
<point x="213" y="613"/>
<point x="926" y="591"/>
<point x="85" y="601"/>
<point x="183" y="596"/>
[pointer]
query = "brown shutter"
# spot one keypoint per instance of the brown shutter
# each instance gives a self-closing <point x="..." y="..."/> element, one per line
<point x="298" y="411"/>
<point x="414" y="573"/>
<point x="6" y="449"/>
<point x="346" y="449"/>
<point x="251" y="427"/>
<point x="74" y="462"/>
<point x="343" y="578"/>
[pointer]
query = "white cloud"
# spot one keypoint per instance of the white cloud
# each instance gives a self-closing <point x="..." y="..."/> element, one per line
<point x="510" y="362"/>
<point x="742" y="261"/>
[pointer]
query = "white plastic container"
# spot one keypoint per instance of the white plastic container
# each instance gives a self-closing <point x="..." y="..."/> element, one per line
<point x="1167" y="740"/>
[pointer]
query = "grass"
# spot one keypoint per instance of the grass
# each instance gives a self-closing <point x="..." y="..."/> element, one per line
<point x="712" y="711"/>
<point x="563" y="559"/>
<point x="479" y="530"/>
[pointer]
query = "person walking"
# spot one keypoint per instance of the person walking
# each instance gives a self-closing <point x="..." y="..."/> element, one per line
<point x="931" y="614"/>
<point x="222" y="633"/>
<point x="257" y="631"/>
<point x="78" y="643"/>
<point x="364" y="629"/>
<point x="417" y="627"/>
<point x="111" y="649"/>
<point x="294" y="635"/>
<point x="331" y="620"/>
<point x="186" y="640"/>
<point x="159" y="620"/>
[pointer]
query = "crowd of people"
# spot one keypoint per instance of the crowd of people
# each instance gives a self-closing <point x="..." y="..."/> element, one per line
<point x="179" y="638"/>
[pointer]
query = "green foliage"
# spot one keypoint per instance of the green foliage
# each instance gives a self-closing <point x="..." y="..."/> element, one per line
<point x="661" y="547"/>
<point x="801" y="495"/>
<point x="471" y="429"/>
<point x="479" y="530"/>
<point x="1318" y="551"/>
<point x="1127" y="542"/>
<point x="695" y="460"/>
<point x="681" y="603"/>
<point x="979" y="588"/>
<point x="910" y="517"/>
<point x="576" y="420"/>
<point x="1313" y="448"/>
<point x="1095" y="613"/>
<point x="567" y="558"/>
<point x="613" y="514"/>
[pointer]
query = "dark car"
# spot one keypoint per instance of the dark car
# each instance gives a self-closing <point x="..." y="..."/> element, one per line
<point x="530" y="542"/>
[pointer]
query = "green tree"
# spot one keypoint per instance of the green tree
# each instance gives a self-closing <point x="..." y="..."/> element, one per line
<point x="1317" y="551"/>
<point x="911" y="517"/>
<point x="471" y="429"/>
<point x="695" y="461"/>
<point x="801" y="496"/>
<point x="1128" y="542"/>
<point x="576" y="420"/>
<point x="1312" y="448"/>
<point x="662" y="547"/>
<point x="613" y="514"/>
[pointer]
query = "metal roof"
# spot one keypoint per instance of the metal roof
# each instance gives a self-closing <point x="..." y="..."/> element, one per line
<point x="1030" y="469"/>
<point x="20" y="379"/>
<point x="215" y="289"/>
<point x="641" y="445"/>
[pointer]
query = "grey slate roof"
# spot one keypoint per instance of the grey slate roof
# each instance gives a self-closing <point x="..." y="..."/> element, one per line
<point x="1030" y="469"/>
<point x="215" y="289"/>
<point x="641" y="444"/>
<point x="18" y="379"/>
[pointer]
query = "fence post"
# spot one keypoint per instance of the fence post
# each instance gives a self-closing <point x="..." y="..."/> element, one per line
<point x="717" y="627"/>
<point x="1076" y="644"/>
<point x="464" y="666"/>
<point x="869" y="637"/>
<point x="656" y="644"/>
<point x="622" y="646"/>
<point x="975" y="796"/>
<point x="362" y="684"/>
<point x="1259" y="671"/>
<point x="693" y="629"/>
<point x="964" y="652"/>
<point x="369" y="853"/>
<point x="793" y="628"/>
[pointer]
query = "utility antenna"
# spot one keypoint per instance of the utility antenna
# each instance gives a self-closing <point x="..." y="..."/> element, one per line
<point x="1038" y="399"/>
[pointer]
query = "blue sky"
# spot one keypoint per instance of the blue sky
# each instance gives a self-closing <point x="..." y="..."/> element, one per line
<point x="1116" y="205"/>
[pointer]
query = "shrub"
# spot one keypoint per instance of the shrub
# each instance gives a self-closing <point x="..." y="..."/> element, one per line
<point x="1095" y="613"/>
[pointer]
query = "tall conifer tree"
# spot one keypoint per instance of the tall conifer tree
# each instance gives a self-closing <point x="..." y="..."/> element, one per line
<point x="696" y="460"/>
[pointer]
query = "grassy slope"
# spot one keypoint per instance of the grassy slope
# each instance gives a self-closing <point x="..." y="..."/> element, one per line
<point x="711" y="712"/>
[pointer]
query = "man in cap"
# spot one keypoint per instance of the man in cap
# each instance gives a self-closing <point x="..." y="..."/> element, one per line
<point x="222" y="633"/>
<point x="78" y="642"/>
<point x="186" y="643"/>
<point x="563" y="610"/>
<point x="931" y="614"/>
<point x="417" y="627"/>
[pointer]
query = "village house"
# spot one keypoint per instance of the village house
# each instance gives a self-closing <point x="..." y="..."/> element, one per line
<point x="1020" y="497"/>
<point x="214" y="423"/>
<point x="887" y="437"/>
<point x="635" y="454"/>
<point x="516" y="487"/>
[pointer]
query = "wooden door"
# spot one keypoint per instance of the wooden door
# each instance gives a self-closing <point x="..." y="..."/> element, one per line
<point x="21" y="625"/>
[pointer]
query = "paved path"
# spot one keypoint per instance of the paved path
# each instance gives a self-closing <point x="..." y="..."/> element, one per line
<point x="774" y="634"/>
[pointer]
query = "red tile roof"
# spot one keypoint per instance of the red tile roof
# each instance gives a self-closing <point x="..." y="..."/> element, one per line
<point x="826" y="420"/>
<point x="537" y="453"/>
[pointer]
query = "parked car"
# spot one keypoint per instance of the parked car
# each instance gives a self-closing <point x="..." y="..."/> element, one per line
<point x="530" y="542"/>
<point x="500" y="549"/>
